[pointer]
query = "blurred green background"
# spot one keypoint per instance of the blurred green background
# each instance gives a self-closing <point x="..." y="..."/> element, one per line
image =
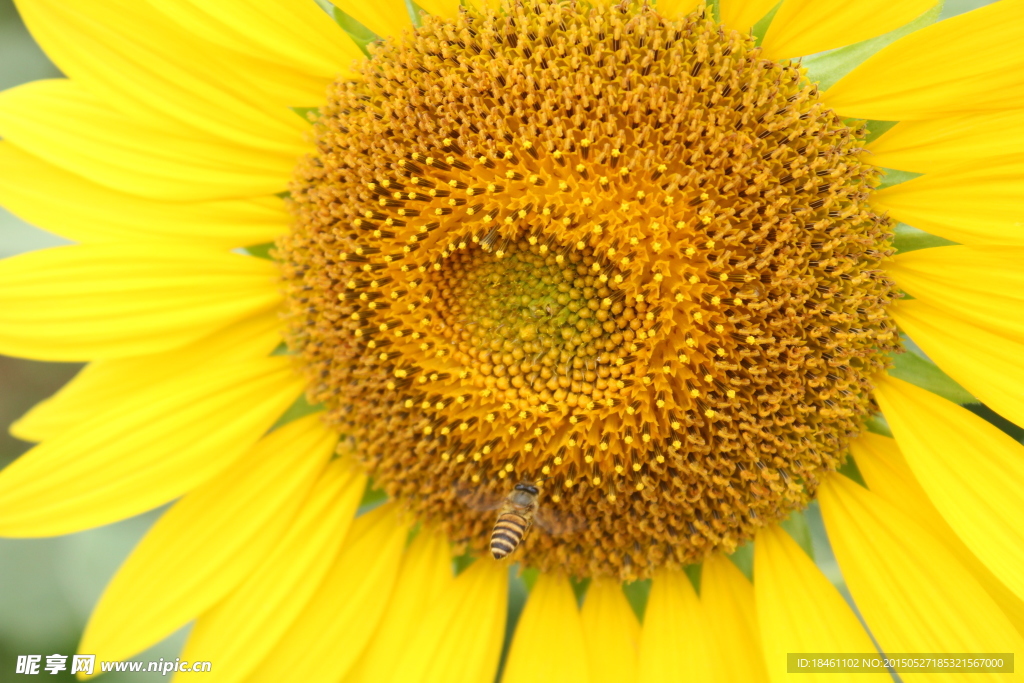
<point x="49" y="586"/>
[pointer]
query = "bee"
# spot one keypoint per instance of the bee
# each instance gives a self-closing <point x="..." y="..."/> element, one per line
<point x="514" y="520"/>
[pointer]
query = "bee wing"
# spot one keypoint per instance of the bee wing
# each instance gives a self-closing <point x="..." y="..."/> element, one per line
<point x="558" y="524"/>
<point x="480" y="500"/>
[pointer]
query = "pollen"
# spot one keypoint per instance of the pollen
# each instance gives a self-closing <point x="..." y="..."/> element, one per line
<point x="622" y="256"/>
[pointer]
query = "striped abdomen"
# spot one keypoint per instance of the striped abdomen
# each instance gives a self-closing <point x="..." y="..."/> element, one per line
<point x="508" y="532"/>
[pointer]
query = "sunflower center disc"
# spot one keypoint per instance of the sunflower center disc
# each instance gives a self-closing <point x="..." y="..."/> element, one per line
<point x="621" y="255"/>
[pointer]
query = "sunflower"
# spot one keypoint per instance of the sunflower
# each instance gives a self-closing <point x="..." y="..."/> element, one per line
<point x="345" y="276"/>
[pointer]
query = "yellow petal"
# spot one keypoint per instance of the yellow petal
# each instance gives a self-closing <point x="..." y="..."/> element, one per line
<point x="978" y="203"/>
<point x="145" y="453"/>
<point x="743" y="14"/>
<point x="102" y="385"/>
<point x="798" y="610"/>
<point x="383" y="17"/>
<point x="299" y="35"/>
<point x="981" y="285"/>
<point x="973" y="473"/>
<point x="281" y="88"/>
<point x="989" y="365"/>
<point x="964" y="64"/>
<point x="734" y="643"/>
<point x="673" y="644"/>
<point x="80" y="210"/>
<point x="887" y="475"/>
<point x="106" y="301"/>
<point x="206" y="544"/>
<point x="804" y="27"/>
<point x="458" y="640"/>
<point x="60" y="121"/>
<point x="913" y="593"/>
<point x="448" y="9"/>
<point x="134" y="58"/>
<point x="968" y="316"/>
<point x="425" y="575"/>
<point x="283" y="73"/>
<point x="241" y="630"/>
<point x="341" y="616"/>
<point x="673" y="9"/>
<point x="934" y="144"/>
<point x="611" y="632"/>
<point x="548" y="646"/>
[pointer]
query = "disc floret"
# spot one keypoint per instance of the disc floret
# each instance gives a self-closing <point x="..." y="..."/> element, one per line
<point x="623" y="254"/>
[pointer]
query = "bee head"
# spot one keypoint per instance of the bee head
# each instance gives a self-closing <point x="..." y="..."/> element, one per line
<point x="529" y="488"/>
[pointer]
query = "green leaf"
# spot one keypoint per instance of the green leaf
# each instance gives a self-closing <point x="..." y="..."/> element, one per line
<point x="715" y="10"/>
<point x="850" y="469"/>
<point x="760" y="29"/>
<point x="414" y="531"/>
<point x="877" y="424"/>
<point x="876" y="129"/>
<point x="361" y="35"/>
<point x="579" y="588"/>
<point x="372" y="497"/>
<point x="796" y="526"/>
<point x="693" y="573"/>
<point x="744" y="559"/>
<point x="637" y="593"/>
<point x="414" y="12"/>
<point x="529" y="577"/>
<point x="891" y="176"/>
<point x="828" y="67"/>
<point x="462" y="562"/>
<point x="261" y="250"/>
<point x="326" y="6"/>
<point x="518" y="591"/>
<point x="301" y="408"/>
<point x="825" y="558"/>
<point x="920" y="371"/>
<point x="1015" y="432"/>
<point x="305" y="112"/>
<point x="819" y="537"/>
<point x="908" y="238"/>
